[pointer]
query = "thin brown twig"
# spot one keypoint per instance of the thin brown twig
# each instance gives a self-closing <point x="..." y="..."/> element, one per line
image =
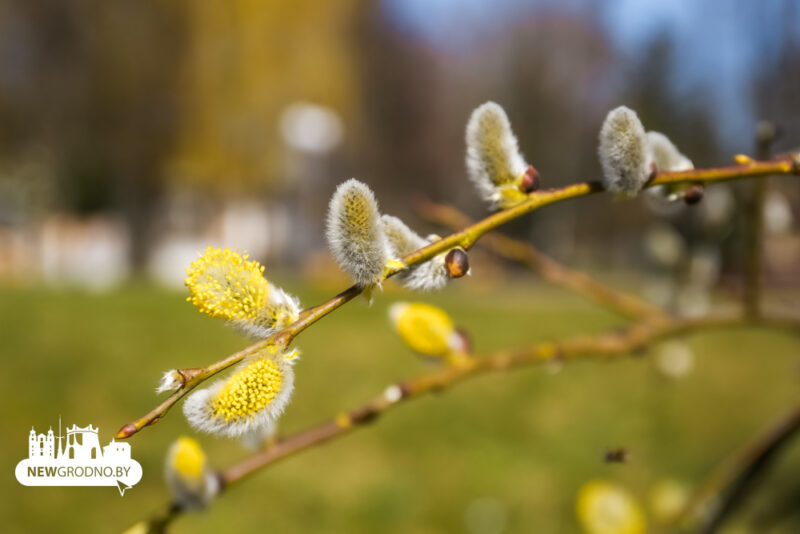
<point x="554" y="272"/>
<point x="601" y="347"/>
<point x="465" y="239"/>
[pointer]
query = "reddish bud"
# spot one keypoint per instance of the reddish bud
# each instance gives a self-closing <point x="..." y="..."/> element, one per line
<point x="694" y="194"/>
<point x="530" y="180"/>
<point x="457" y="263"/>
<point x="126" y="431"/>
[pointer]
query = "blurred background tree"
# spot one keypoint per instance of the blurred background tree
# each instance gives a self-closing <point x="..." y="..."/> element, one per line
<point x="177" y="119"/>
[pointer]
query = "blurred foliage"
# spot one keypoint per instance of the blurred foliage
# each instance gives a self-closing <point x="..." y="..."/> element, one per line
<point x="245" y="62"/>
<point x="123" y="104"/>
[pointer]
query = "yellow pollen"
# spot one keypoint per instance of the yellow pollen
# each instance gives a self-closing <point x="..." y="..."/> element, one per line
<point x="223" y="283"/>
<point x="248" y="391"/>
<point x="493" y="131"/>
<point x="188" y="458"/>
<point x="358" y="214"/>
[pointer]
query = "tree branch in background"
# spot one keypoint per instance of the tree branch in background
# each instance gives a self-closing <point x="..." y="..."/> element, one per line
<point x="554" y="272"/>
<point x="602" y="347"/>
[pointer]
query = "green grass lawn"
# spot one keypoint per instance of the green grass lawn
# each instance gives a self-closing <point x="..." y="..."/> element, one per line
<point x="504" y="450"/>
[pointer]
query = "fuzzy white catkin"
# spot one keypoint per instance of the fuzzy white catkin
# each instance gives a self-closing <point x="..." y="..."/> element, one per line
<point x="401" y="238"/>
<point x="493" y="157"/>
<point x="426" y="276"/>
<point x="667" y="158"/>
<point x="666" y="155"/>
<point x="624" y="152"/>
<point x="355" y="234"/>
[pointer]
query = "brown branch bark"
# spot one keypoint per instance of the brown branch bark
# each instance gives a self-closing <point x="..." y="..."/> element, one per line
<point x="601" y="347"/>
<point x="465" y="239"/>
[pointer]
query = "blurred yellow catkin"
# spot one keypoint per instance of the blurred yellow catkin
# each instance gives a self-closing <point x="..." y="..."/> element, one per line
<point x="428" y="330"/>
<point x="187" y="475"/>
<point x="606" y="508"/>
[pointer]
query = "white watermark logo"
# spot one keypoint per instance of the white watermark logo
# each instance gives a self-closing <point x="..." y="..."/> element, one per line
<point x="77" y="460"/>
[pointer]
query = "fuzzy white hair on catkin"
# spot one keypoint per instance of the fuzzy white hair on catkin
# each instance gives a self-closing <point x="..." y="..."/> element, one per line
<point x="493" y="156"/>
<point x="624" y="152"/>
<point x="190" y="494"/>
<point x="355" y="234"/>
<point x="666" y="155"/>
<point x="169" y="382"/>
<point x="199" y="412"/>
<point x="427" y="276"/>
<point x="256" y="439"/>
<point x="401" y="238"/>
<point x="282" y="310"/>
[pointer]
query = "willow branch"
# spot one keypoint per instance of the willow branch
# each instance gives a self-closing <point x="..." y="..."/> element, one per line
<point x="465" y="239"/>
<point x="554" y="272"/>
<point x="601" y="347"/>
<point x="727" y="486"/>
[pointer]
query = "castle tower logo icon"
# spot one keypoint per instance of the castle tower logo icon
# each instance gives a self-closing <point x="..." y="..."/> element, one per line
<point x="77" y="460"/>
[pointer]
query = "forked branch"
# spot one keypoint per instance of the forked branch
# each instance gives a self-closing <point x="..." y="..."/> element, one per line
<point x="601" y="347"/>
<point x="464" y="238"/>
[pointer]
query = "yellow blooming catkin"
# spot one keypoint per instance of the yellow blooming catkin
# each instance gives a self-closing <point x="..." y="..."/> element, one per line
<point x="426" y="329"/>
<point x="226" y="284"/>
<point x="187" y="475"/>
<point x="187" y="458"/>
<point x="248" y="391"/>
<point x="494" y="163"/>
<point x="249" y="401"/>
<point x="606" y="508"/>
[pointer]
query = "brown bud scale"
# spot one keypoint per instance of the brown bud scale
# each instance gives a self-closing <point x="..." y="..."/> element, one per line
<point x="457" y="263"/>
<point x="531" y="181"/>
<point x="694" y="194"/>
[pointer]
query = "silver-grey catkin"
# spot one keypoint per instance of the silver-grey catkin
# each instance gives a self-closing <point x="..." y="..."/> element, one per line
<point x="624" y="152"/>
<point x="355" y="234"/>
